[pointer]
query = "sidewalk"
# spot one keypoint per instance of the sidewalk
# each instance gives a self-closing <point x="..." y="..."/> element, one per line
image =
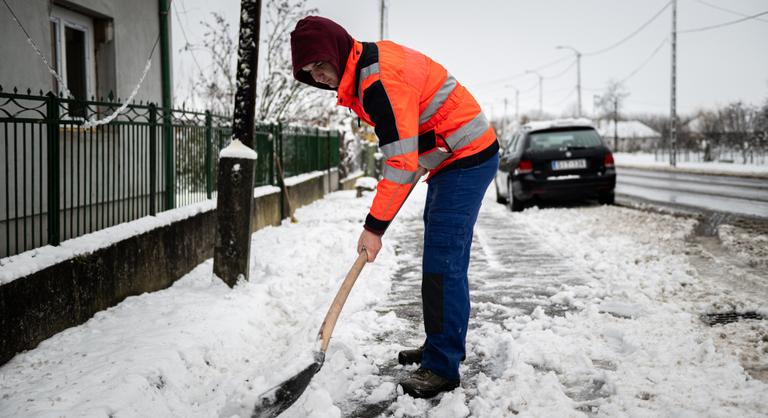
<point x="576" y="312"/>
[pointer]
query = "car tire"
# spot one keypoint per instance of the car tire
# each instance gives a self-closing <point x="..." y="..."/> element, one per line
<point x="607" y="198"/>
<point x="514" y="205"/>
<point x="499" y="198"/>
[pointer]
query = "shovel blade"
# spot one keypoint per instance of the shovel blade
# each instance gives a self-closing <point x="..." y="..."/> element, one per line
<point x="279" y="398"/>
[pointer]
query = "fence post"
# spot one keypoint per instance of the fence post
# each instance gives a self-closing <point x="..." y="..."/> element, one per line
<point x="52" y="120"/>
<point x="315" y="164"/>
<point x="152" y="159"/>
<point x="278" y="129"/>
<point x="208" y="154"/>
<point x="170" y="169"/>
<point x="328" y="158"/>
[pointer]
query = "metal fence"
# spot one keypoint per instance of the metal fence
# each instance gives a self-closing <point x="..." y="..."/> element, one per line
<point x="60" y="180"/>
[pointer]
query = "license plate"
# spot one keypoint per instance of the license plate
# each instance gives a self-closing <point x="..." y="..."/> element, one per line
<point x="569" y="164"/>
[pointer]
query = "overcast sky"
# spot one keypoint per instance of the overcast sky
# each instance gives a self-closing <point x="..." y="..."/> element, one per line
<point x="488" y="45"/>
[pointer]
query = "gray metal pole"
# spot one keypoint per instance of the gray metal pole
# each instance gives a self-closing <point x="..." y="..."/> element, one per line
<point x="578" y="78"/>
<point x="541" y="95"/>
<point x="383" y="20"/>
<point x="616" y="124"/>
<point x="673" y="92"/>
<point x="541" y="90"/>
<point x="578" y="72"/>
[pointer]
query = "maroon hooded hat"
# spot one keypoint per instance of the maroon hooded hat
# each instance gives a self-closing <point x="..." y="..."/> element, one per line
<point x="316" y="39"/>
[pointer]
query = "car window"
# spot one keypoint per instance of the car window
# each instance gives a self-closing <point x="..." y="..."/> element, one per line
<point x="582" y="138"/>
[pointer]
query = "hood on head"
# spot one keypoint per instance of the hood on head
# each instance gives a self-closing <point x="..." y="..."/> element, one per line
<point x="316" y="39"/>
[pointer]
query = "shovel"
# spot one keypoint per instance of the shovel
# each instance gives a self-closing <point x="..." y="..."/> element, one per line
<point x="279" y="398"/>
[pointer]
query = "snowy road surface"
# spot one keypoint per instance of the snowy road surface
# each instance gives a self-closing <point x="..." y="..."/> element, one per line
<point x="730" y="194"/>
<point x="581" y="311"/>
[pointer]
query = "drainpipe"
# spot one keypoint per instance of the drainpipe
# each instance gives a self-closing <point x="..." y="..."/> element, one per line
<point x="165" y="69"/>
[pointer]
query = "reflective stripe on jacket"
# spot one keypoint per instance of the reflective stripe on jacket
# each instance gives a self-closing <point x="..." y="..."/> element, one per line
<point x="421" y="115"/>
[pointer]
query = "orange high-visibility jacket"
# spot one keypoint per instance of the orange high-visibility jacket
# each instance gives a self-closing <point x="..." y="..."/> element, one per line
<point x="421" y="115"/>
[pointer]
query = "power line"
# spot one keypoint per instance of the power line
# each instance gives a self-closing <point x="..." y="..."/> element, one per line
<point x="523" y="74"/>
<point x="631" y="35"/>
<point x="733" y="22"/>
<point x="186" y="39"/>
<point x="561" y="73"/>
<point x="647" y="60"/>
<point x="714" y="6"/>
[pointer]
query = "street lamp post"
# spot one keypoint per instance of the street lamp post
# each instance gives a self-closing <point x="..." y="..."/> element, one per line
<point x="541" y="91"/>
<point x="578" y="71"/>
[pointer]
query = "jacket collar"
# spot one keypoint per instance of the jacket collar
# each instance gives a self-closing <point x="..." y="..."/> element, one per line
<point x="347" y="91"/>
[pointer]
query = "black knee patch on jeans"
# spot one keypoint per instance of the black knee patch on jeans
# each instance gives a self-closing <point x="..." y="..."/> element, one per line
<point x="432" y="298"/>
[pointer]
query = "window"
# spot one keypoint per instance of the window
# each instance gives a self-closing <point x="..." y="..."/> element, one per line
<point x="72" y="43"/>
<point x="582" y="138"/>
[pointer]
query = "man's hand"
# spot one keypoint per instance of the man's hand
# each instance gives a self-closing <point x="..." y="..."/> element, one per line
<point x="371" y="242"/>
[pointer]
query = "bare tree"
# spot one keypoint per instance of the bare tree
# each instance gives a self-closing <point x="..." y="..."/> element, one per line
<point x="216" y="85"/>
<point x="280" y="98"/>
<point x="711" y="129"/>
<point x="739" y="123"/>
<point x="610" y="103"/>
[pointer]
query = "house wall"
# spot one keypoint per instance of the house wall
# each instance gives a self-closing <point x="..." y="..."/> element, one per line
<point x="136" y="27"/>
<point x="22" y="67"/>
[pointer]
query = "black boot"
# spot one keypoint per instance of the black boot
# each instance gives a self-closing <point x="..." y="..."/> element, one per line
<point x="424" y="383"/>
<point x="406" y="357"/>
<point x="412" y="356"/>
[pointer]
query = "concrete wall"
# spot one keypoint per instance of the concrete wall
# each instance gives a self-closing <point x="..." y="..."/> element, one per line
<point x="35" y="307"/>
<point x="136" y="26"/>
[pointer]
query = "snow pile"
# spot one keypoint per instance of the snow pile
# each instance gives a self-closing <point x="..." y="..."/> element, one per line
<point x="750" y="246"/>
<point x="366" y="183"/>
<point x="237" y="149"/>
<point x="28" y="262"/>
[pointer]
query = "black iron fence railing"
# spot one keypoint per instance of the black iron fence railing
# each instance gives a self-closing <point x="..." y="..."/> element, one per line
<point x="60" y="180"/>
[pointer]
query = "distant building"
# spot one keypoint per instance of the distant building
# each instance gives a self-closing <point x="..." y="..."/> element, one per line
<point x="98" y="47"/>
<point x="629" y="136"/>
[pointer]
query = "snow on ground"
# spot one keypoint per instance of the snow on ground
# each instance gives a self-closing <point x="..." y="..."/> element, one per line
<point x="630" y="339"/>
<point x="643" y="160"/>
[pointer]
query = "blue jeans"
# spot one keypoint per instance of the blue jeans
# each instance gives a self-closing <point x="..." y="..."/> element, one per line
<point x="453" y="202"/>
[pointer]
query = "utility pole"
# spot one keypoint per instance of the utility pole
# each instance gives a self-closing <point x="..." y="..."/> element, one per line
<point x="383" y="20"/>
<point x="504" y="119"/>
<point x="517" y="105"/>
<point x="578" y="72"/>
<point x="673" y="93"/>
<point x="615" y="124"/>
<point x="541" y="90"/>
<point x="234" y="207"/>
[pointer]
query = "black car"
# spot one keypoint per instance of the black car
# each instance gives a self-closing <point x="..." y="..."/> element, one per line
<point x="555" y="160"/>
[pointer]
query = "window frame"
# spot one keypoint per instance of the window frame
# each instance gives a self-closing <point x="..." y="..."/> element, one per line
<point x="62" y="19"/>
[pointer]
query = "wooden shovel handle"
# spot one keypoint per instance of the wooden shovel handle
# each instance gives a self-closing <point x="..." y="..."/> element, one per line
<point x="326" y="329"/>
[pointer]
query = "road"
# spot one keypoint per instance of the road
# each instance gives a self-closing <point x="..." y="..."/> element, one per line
<point x="738" y="195"/>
